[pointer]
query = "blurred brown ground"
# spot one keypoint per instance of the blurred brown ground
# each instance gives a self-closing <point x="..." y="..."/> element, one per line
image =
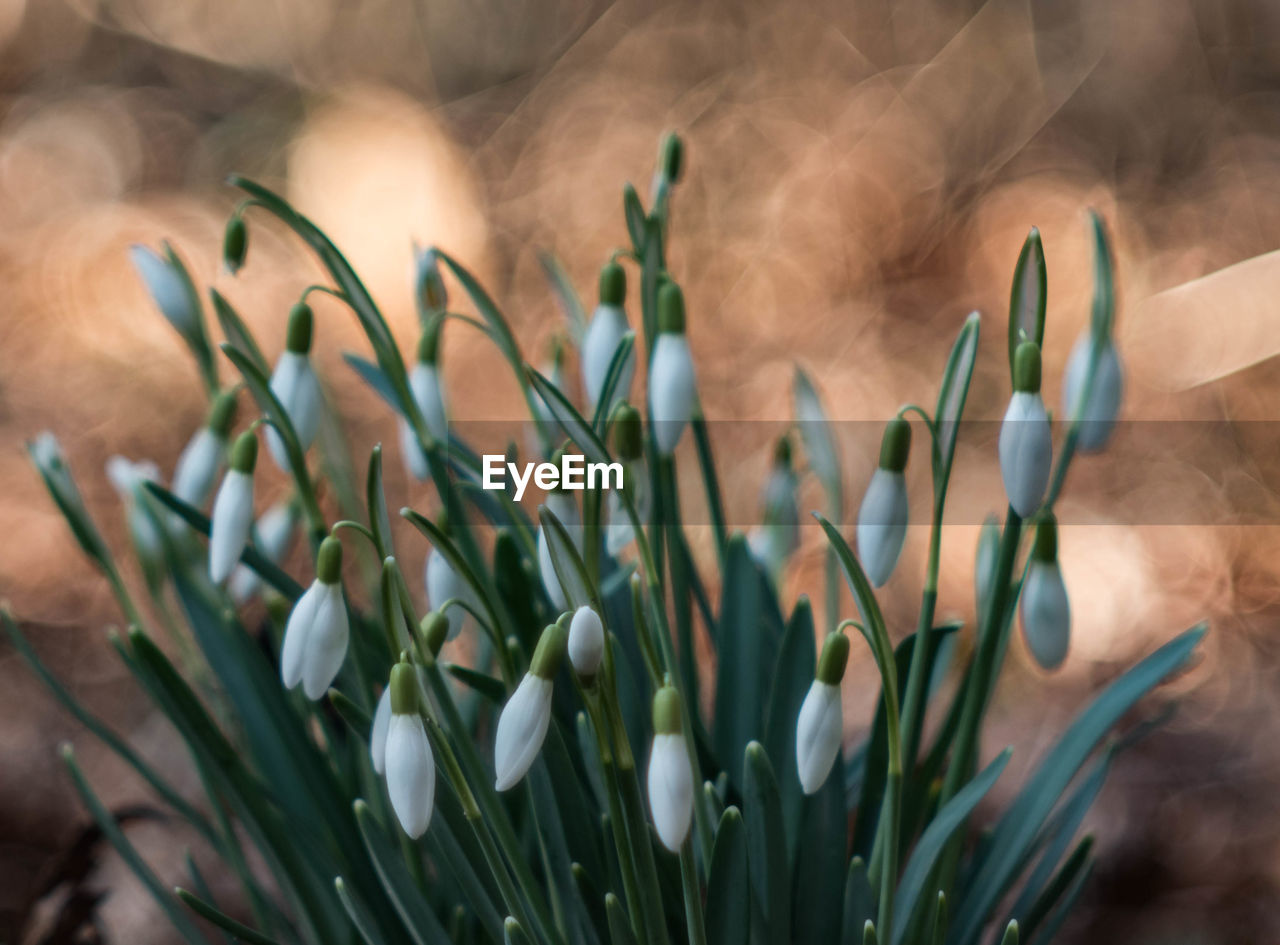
<point x="860" y="175"/>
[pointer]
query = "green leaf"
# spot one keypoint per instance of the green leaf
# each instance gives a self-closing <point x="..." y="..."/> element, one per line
<point x="609" y="393"/>
<point x="499" y="330"/>
<point x="818" y="884"/>
<point x="492" y="689"/>
<point x="710" y="481"/>
<point x="372" y="375"/>
<point x="1028" y="296"/>
<point x="950" y="818"/>
<point x="566" y="295"/>
<point x="423" y="926"/>
<point x="859" y="902"/>
<point x="236" y="331"/>
<point x="1057" y="888"/>
<point x="358" y="913"/>
<point x="376" y="503"/>
<point x="766" y="851"/>
<point x="223" y="921"/>
<point x="792" y="677"/>
<point x="633" y="210"/>
<point x="817" y="436"/>
<point x="1017" y="829"/>
<point x="728" y="889"/>
<point x="956" y="377"/>
<point x="1102" y="317"/>
<point x="115" y="836"/>
<point x="574" y="425"/>
<point x="619" y="925"/>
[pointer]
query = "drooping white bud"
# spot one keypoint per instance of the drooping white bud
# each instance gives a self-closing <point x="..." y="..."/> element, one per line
<point x="777" y="538"/>
<point x="428" y="393"/>
<point x="820" y="726"/>
<point x="169" y="290"/>
<point x="200" y="463"/>
<point x="1097" y="417"/>
<point x="672" y="387"/>
<point x="522" y="726"/>
<point x="670" y="779"/>
<point x="296" y="386"/>
<point x="882" y="517"/>
<point x="586" y="642"/>
<point x="1045" y="608"/>
<point x="410" y="765"/>
<point x="232" y="516"/>
<point x="607" y="329"/>
<point x="378" y="734"/>
<point x="1026" y="443"/>
<point x="317" y="632"/>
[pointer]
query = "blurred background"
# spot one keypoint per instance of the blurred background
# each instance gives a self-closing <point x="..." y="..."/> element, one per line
<point x="860" y="175"/>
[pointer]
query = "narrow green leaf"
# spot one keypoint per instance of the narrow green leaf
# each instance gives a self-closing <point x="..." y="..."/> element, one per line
<point x="569" y="567"/>
<point x="376" y="503"/>
<point x="817" y="436"/>
<point x="633" y="211"/>
<point x="953" y="393"/>
<point x="355" y="716"/>
<point x="728" y="888"/>
<point x="1054" y="891"/>
<point x="492" y="689"/>
<point x="418" y="919"/>
<point x="236" y="331"/>
<point x="222" y="920"/>
<point x="766" y="851"/>
<point x="619" y="925"/>
<point x="792" y="678"/>
<point x="1010" y="934"/>
<point x="1028" y="296"/>
<point x="818" y="883"/>
<point x="859" y="902"/>
<point x="499" y="330"/>
<point x="933" y="841"/>
<point x="575" y="426"/>
<point x="372" y="375"/>
<point x="1103" y="314"/>
<point x="609" y="393"/>
<point x="115" y="836"/>
<point x="566" y="295"/>
<point x="358" y="913"/>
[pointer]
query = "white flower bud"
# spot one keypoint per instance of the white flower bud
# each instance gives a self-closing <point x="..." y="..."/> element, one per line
<point x="819" y="733"/>
<point x="295" y="385"/>
<point x="445" y="584"/>
<point x="424" y="385"/>
<point x="169" y="290"/>
<point x="586" y="642"/>
<point x="196" y="473"/>
<point x="232" y="516"/>
<point x="672" y="390"/>
<point x="1098" y="416"/>
<point x="1026" y="443"/>
<point x="378" y="734"/>
<point x="522" y="726"/>
<point x="670" y="773"/>
<point x="1045" y="608"/>
<point x="317" y="632"/>
<point x="882" y="517"/>
<point x="410" y="765"/>
<point x="128" y="477"/>
<point x="607" y="329"/>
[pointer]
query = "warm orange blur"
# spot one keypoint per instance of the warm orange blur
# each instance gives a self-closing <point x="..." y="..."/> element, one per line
<point x="859" y="177"/>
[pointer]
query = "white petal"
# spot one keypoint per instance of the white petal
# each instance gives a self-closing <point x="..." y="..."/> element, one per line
<point x="295" y="385"/>
<point x="1026" y="452"/>
<point x="378" y="736"/>
<point x="230" y="523"/>
<point x="1046" y="614"/>
<point x="670" y="790"/>
<point x="326" y="643"/>
<point x="671" y="390"/>
<point x="297" y="631"/>
<point x="882" y="524"/>
<point x="1099" y="415"/>
<point x="586" y="641"/>
<point x="819" y="733"/>
<point x="445" y="584"/>
<point x="521" y="730"/>
<point x="415" y="460"/>
<point x="424" y="383"/>
<point x="411" y="773"/>
<point x="604" y="334"/>
<point x="167" y="288"/>
<point x="198" y="467"/>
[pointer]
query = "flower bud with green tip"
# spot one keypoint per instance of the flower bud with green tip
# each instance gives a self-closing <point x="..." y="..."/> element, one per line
<point x="200" y="463"/>
<point x="128" y="478"/>
<point x="235" y="244"/>
<point x="434" y="628"/>
<point x="669" y="167"/>
<point x="1096" y="418"/>
<point x="444" y="584"/>
<point x="778" y="536"/>
<point x="1026" y="443"/>
<point x="428" y="287"/>
<point x="522" y="726"/>
<point x="1045" y="608"/>
<point x="170" y="290"/>
<point x="820" y="727"/>
<point x="316" y="635"/>
<point x="672" y="386"/>
<point x="882" y="518"/>
<point x="295" y="385"/>
<point x="607" y="329"/>
<point x="273" y="535"/>
<point x="232" y="516"/>
<point x="428" y="393"/>
<point x="670" y="774"/>
<point x="586" y="642"/>
<point x="409" y="764"/>
<point x="628" y="447"/>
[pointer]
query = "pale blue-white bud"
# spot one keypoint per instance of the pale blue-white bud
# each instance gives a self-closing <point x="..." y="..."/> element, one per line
<point x="586" y="642"/>
<point x="1026" y="443"/>
<point x="672" y="385"/>
<point x="670" y="780"/>
<point x="882" y="517"/>
<point x="607" y="329"/>
<point x="232" y="516"/>
<point x="410" y="766"/>
<point x="318" y="630"/>
<point x="428" y="394"/>
<point x="777" y="538"/>
<point x="169" y="289"/>
<point x="128" y="478"/>
<point x="1097" y="417"/>
<point x="1045" y="608"/>
<point x="295" y="385"/>
<point x="522" y="726"/>
<point x="820" y="726"/>
<point x="198" y="468"/>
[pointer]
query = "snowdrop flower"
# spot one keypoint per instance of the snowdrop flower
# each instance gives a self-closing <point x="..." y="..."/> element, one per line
<point x="670" y="774"/>
<point x="428" y="394"/>
<point x="1045" y="609"/>
<point x="201" y="460"/>
<point x="670" y="164"/>
<point x="128" y="477"/>
<point x="1026" y="445"/>
<point x="410" y="766"/>
<point x="315" y="637"/>
<point x="428" y="288"/>
<point x="586" y="642"/>
<point x="565" y="508"/>
<point x="169" y="287"/>
<point x="1098" y="416"/>
<point x="604" y="334"/>
<point x="273" y="535"/>
<point x="774" y="541"/>
<point x="628" y="447"/>
<point x="820" y="728"/>
<point x="295" y="385"/>
<point x="882" y="518"/>
<point x="233" y="509"/>
<point x="522" y="726"/>
<point x="672" y="391"/>
<point x="378" y="734"/>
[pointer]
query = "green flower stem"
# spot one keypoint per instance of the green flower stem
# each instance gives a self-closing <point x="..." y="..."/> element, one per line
<point x="553" y="888"/>
<point x="692" y="895"/>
